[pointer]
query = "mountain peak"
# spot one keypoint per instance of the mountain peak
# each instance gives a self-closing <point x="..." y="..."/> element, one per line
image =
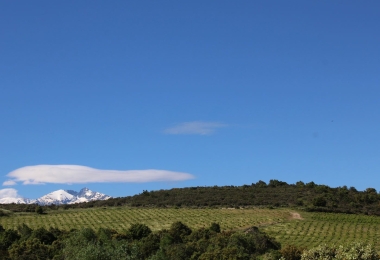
<point x="61" y="197"/>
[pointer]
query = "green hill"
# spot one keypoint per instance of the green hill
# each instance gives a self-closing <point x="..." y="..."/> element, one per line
<point x="309" y="197"/>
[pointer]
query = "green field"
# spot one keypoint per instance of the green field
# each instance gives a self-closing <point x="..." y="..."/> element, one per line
<point x="286" y="225"/>
<point x="330" y="228"/>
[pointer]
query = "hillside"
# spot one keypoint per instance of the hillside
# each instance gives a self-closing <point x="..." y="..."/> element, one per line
<point x="287" y="226"/>
<point x="309" y="197"/>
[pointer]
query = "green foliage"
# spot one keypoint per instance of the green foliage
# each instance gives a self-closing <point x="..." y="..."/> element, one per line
<point x="261" y="184"/>
<point x="276" y="193"/>
<point x="139" y="231"/>
<point x="179" y="231"/>
<point x="4" y="213"/>
<point x="310" y="185"/>
<point x="215" y="227"/>
<point x="43" y="235"/>
<point x="355" y="251"/>
<point x="86" y="234"/>
<point x="291" y="252"/>
<point x="105" y="234"/>
<point x="31" y="249"/>
<point x="178" y="242"/>
<point x="24" y="231"/>
<point x="276" y="183"/>
<point x="84" y="245"/>
<point x="39" y="210"/>
<point x="7" y="237"/>
<point x="149" y="245"/>
<point x="319" y="201"/>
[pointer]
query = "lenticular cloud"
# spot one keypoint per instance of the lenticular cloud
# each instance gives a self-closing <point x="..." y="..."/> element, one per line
<point x="70" y="174"/>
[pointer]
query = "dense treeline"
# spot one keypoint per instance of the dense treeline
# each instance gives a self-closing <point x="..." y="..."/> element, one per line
<point x="138" y="242"/>
<point x="309" y="196"/>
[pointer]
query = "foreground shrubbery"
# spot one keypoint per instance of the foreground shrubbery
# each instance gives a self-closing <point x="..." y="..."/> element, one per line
<point x="354" y="251"/>
<point x="178" y="242"/>
<point x="138" y="242"/>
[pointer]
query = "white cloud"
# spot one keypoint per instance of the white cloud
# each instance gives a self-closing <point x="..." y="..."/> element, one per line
<point x="69" y="174"/>
<point x="9" y="193"/>
<point x="9" y="183"/>
<point x="196" y="127"/>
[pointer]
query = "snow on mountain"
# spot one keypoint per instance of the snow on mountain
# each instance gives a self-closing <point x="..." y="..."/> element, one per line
<point x="15" y="200"/>
<point x="60" y="197"/>
<point x="56" y="197"/>
<point x="92" y="195"/>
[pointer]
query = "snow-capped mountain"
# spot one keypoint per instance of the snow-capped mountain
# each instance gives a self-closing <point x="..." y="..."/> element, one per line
<point x="60" y="197"/>
<point x="14" y="200"/>
<point x="56" y="197"/>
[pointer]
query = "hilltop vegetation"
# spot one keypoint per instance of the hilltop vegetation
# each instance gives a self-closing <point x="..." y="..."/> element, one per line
<point x="308" y="196"/>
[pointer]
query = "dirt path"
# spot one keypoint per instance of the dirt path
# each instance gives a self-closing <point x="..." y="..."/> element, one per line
<point x="295" y="215"/>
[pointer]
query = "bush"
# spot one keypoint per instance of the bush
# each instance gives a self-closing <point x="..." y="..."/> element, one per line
<point x="179" y="231"/>
<point x="319" y="202"/>
<point x="31" y="249"/>
<point x="215" y="227"/>
<point x="138" y="231"/>
<point x="39" y="210"/>
<point x="291" y="252"/>
<point x="355" y="251"/>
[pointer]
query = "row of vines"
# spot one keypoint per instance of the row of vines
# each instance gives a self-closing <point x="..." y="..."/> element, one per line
<point x="330" y="228"/>
<point x="310" y="230"/>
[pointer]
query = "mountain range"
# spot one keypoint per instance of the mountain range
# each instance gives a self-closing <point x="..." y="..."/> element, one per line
<point x="59" y="197"/>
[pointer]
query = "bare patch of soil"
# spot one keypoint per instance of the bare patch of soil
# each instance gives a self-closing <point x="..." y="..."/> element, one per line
<point x="295" y="215"/>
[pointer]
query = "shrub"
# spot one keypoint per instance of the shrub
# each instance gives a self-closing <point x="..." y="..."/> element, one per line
<point x="179" y="231"/>
<point x="291" y="252"/>
<point x="138" y="231"/>
<point x="355" y="251"/>
<point x="321" y="252"/>
<point x="358" y="251"/>
<point x="215" y="227"/>
<point x="39" y="210"/>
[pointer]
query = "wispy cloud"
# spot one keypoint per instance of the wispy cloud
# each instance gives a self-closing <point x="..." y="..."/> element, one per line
<point x="70" y="174"/>
<point x="195" y="128"/>
<point x="9" y="193"/>
<point x="9" y="183"/>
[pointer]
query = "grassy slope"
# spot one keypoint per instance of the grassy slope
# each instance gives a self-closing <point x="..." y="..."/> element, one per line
<point x="306" y="229"/>
<point x="318" y="228"/>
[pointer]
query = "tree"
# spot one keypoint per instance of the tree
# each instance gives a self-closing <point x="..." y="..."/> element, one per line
<point x="276" y="183"/>
<point x="261" y="184"/>
<point x="7" y="237"/>
<point x="39" y="210"/>
<point x="291" y="252"/>
<point x="43" y="235"/>
<point x="319" y="202"/>
<point x="179" y="231"/>
<point x="138" y="231"/>
<point x="24" y="231"/>
<point x="31" y="249"/>
<point x="215" y="227"/>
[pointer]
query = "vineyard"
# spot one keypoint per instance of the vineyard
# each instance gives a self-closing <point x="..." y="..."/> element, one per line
<point x="288" y="227"/>
<point x="331" y="228"/>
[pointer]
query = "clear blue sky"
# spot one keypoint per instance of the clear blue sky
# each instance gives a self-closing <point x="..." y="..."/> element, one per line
<point x="231" y="92"/>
